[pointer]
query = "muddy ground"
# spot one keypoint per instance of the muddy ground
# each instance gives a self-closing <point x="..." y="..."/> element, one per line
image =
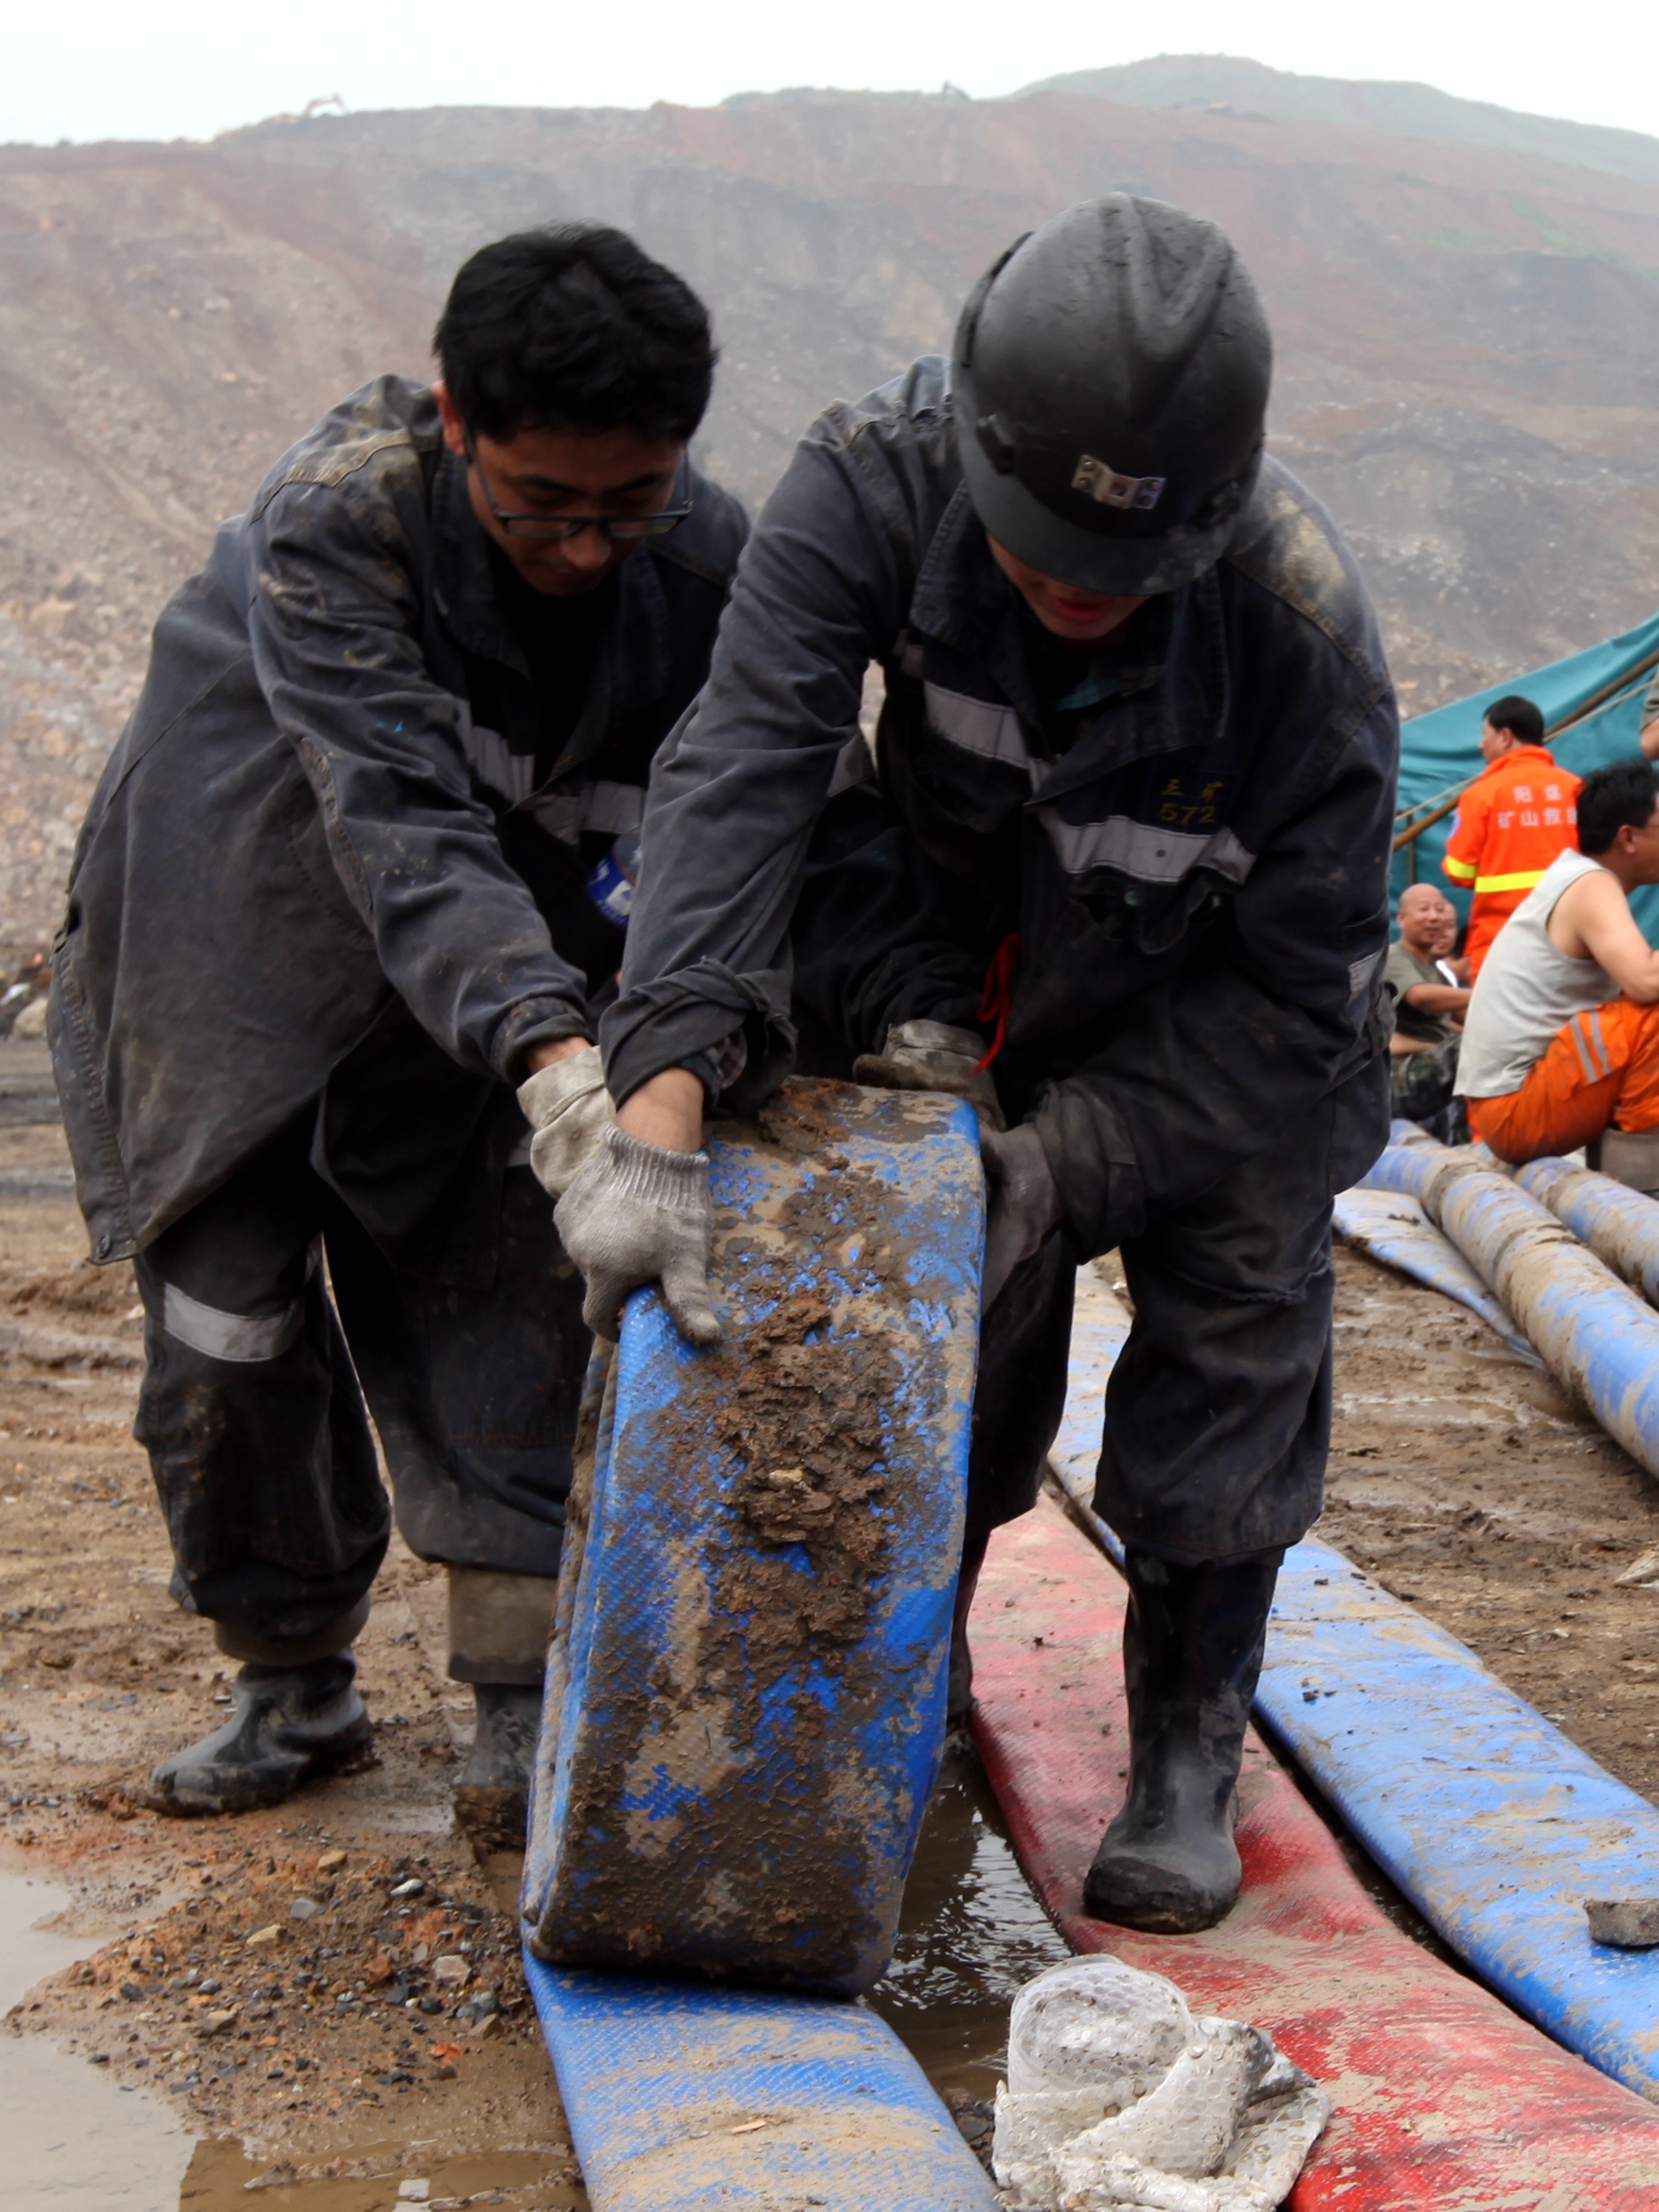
<point x="371" y="2033"/>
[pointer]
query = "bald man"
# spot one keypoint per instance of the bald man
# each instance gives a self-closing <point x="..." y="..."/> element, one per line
<point x="1429" y="1009"/>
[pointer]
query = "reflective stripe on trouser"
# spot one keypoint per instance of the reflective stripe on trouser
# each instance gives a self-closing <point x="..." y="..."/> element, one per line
<point x="1218" y="1411"/>
<point x="1600" y="1072"/>
<point x="255" y="1422"/>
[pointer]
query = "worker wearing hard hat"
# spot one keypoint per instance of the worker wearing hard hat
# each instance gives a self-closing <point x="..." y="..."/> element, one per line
<point x="1129" y="845"/>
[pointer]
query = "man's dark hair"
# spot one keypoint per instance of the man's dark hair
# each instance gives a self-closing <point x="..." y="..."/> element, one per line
<point x="1519" y="717"/>
<point x="574" y="328"/>
<point x="1625" y="792"/>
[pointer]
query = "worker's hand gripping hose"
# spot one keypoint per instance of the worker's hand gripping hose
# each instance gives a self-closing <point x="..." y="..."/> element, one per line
<point x="636" y="1213"/>
<point x="569" y="1109"/>
<point x="934" y="1056"/>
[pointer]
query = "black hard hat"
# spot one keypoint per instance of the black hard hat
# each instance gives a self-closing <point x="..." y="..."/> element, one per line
<point x="1109" y="386"/>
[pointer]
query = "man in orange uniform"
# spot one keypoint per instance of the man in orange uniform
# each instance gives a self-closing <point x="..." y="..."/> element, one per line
<point x="1511" y="823"/>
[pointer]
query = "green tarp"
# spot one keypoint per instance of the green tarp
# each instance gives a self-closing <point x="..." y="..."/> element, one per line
<point x="1439" y="751"/>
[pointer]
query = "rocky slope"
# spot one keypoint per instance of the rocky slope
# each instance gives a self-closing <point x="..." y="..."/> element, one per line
<point x="1467" y="335"/>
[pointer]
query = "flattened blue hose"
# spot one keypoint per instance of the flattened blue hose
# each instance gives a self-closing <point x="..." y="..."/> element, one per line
<point x="1391" y="1226"/>
<point x="686" y="2098"/>
<point x="1492" y="1821"/>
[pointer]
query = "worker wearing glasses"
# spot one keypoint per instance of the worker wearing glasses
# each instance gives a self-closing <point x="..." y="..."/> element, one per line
<point x="346" y="906"/>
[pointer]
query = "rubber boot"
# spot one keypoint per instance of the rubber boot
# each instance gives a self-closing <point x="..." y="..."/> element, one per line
<point x="493" y="1792"/>
<point x="959" y="1691"/>
<point x="288" y="1723"/>
<point x="1192" y="1645"/>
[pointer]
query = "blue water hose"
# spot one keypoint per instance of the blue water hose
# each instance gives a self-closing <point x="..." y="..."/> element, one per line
<point x="745" y="1700"/>
<point x="1620" y="1225"/>
<point x="743" y="1719"/>
<point x="1391" y="1226"/>
<point x="1593" y="1335"/>
<point x="682" y="2098"/>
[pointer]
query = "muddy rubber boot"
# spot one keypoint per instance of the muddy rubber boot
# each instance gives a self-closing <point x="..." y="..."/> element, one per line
<point x="1192" y="1645"/>
<point x="493" y="1791"/>
<point x="959" y="1690"/>
<point x="288" y="1723"/>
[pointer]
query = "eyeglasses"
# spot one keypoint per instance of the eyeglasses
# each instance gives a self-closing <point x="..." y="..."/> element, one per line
<point x="619" y="528"/>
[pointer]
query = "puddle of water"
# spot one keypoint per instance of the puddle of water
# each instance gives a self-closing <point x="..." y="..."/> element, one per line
<point x="519" y="2181"/>
<point x="27" y="1953"/>
<point x="971" y="1933"/>
<point x="74" y="2142"/>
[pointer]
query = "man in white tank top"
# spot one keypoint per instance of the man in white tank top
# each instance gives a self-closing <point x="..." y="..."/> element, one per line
<point x="1561" y="1039"/>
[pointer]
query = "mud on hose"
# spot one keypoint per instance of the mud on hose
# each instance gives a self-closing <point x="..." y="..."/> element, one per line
<point x="745" y="1693"/>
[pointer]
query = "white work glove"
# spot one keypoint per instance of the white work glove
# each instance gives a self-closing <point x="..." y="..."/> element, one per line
<point x="933" y="1056"/>
<point x="569" y="1108"/>
<point x="636" y="1213"/>
<point x="1024" y="1203"/>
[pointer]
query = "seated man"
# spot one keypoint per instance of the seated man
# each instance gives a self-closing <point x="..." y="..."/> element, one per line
<point x="1428" y="1007"/>
<point x="1561" y="1041"/>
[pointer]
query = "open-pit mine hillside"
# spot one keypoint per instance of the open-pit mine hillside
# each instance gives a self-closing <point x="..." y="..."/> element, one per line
<point x="1466" y="305"/>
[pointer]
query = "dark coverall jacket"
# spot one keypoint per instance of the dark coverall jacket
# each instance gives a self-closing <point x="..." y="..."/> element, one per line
<point x="1191" y="847"/>
<point x="324" y="899"/>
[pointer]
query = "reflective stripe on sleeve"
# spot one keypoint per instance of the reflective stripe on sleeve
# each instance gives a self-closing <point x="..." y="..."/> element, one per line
<point x="1462" y="869"/>
<point x="1524" y="882"/>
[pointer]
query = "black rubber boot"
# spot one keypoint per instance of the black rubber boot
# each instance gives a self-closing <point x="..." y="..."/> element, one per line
<point x="288" y="1723"/>
<point x="959" y="1691"/>
<point x="493" y="1791"/>
<point x="1192" y="1645"/>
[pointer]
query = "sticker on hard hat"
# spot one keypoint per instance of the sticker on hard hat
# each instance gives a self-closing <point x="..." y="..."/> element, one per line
<point x="1111" y="490"/>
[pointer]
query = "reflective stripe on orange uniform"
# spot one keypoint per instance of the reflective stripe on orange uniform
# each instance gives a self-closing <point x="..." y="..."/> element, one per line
<point x="1507" y="828"/>
<point x="1600" y="1070"/>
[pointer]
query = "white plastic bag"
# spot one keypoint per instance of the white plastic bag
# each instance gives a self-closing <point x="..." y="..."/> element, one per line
<point x="1118" y="2095"/>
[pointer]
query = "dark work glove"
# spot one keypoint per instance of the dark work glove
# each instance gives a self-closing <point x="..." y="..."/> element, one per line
<point x="636" y="1213"/>
<point x="1025" y="1203"/>
<point x="933" y="1056"/>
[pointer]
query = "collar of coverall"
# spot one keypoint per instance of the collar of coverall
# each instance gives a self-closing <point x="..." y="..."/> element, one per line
<point x="963" y="600"/>
<point x="1520" y="756"/>
<point x="633" y="665"/>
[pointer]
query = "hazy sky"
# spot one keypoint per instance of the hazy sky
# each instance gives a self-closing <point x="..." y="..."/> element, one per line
<point x="187" y="68"/>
